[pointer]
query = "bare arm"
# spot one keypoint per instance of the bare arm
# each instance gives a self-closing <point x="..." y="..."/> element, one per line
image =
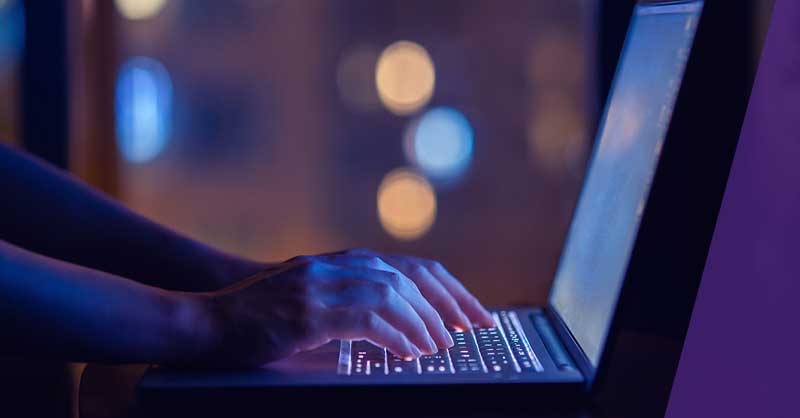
<point x="94" y="312"/>
<point x="49" y="308"/>
<point x="51" y="213"/>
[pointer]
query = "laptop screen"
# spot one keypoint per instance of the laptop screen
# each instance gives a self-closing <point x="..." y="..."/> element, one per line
<point x="606" y="220"/>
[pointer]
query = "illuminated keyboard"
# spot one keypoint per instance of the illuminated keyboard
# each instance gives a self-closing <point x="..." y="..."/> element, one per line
<point x="500" y="350"/>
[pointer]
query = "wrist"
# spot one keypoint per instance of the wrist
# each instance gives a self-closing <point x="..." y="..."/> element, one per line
<point x="231" y="270"/>
<point x="198" y="330"/>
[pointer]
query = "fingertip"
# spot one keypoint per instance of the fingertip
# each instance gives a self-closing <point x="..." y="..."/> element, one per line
<point x="481" y="317"/>
<point x="449" y="340"/>
<point x="415" y="352"/>
<point x="488" y="320"/>
<point x="407" y="351"/>
<point x="465" y="322"/>
<point x="443" y="344"/>
<point x="433" y="348"/>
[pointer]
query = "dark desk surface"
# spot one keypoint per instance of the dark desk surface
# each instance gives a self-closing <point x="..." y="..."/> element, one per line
<point x="109" y="391"/>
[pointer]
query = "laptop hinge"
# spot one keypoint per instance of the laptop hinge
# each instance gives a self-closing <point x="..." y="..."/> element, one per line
<point x="565" y="342"/>
<point x="551" y="342"/>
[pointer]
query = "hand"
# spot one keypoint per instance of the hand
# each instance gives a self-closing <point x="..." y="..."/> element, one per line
<point x="458" y="307"/>
<point x="306" y="302"/>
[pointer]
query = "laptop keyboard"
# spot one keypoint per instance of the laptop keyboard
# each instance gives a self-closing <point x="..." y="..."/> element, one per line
<point x="503" y="349"/>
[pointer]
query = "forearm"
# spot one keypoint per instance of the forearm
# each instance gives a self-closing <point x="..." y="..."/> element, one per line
<point x="51" y="213"/>
<point x="59" y="310"/>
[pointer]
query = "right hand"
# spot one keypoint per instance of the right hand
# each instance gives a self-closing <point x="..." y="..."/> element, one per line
<point x="306" y="302"/>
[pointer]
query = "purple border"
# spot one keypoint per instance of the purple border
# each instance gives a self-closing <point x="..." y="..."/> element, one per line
<point x="740" y="358"/>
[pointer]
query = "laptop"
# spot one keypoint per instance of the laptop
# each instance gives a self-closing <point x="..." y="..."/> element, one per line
<point x="560" y="349"/>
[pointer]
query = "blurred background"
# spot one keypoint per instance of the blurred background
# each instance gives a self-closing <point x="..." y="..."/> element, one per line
<point x="454" y="129"/>
<point x="450" y="129"/>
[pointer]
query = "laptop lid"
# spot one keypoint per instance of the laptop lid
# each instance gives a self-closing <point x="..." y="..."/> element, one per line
<point x="631" y="135"/>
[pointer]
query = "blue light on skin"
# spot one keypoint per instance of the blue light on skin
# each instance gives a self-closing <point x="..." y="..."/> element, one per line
<point x="12" y="33"/>
<point x="143" y="109"/>
<point x="442" y="144"/>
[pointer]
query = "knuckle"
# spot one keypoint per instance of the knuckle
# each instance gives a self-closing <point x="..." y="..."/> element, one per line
<point x="367" y="261"/>
<point x="310" y="266"/>
<point x="433" y="264"/>
<point x="394" y="280"/>
<point x="383" y="291"/>
<point x="436" y="297"/>
<point x="369" y="322"/>
<point x="375" y="262"/>
<point x="418" y="269"/>
<point x="444" y="302"/>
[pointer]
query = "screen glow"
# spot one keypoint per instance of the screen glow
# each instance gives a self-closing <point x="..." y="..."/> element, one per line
<point x="595" y="258"/>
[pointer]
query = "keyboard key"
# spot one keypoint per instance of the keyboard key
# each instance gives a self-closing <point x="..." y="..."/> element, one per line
<point x="438" y="363"/>
<point x="399" y="365"/>
<point x="367" y="358"/>
<point x="518" y="342"/>
<point x="500" y="350"/>
<point x="494" y="350"/>
<point x="465" y="356"/>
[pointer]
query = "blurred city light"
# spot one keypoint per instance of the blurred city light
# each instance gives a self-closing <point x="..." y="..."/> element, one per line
<point x="12" y="33"/>
<point x="405" y="77"/>
<point x="557" y="58"/>
<point x="440" y="143"/>
<point x="556" y="134"/>
<point x="139" y="9"/>
<point x="143" y="109"/>
<point x="406" y="204"/>
<point x="355" y="78"/>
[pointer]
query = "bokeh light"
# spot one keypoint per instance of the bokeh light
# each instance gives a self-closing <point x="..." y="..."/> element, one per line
<point x="12" y="33"/>
<point x="139" y="9"/>
<point x="355" y="78"/>
<point x="405" y="77"/>
<point x="557" y="58"/>
<point x="557" y="134"/>
<point x="143" y="109"/>
<point x="440" y="143"/>
<point x="406" y="204"/>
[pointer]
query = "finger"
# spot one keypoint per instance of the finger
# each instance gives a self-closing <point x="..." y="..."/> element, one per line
<point x="466" y="300"/>
<point x="349" y="324"/>
<point x="406" y="288"/>
<point x="400" y="314"/>
<point x="434" y="291"/>
<point x="368" y="289"/>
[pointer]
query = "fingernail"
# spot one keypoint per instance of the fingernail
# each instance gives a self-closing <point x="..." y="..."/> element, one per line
<point x="434" y="348"/>
<point x="415" y="351"/>
<point x="450" y="341"/>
